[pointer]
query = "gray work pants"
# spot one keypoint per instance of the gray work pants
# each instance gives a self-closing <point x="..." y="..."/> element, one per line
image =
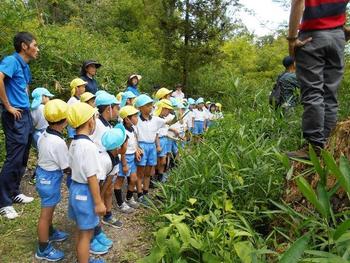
<point x="320" y="68"/>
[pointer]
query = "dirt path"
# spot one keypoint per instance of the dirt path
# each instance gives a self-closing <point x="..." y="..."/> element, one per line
<point x="130" y="243"/>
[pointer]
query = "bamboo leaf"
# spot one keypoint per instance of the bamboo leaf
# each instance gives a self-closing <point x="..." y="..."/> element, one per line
<point x="294" y="253"/>
<point x="341" y="229"/>
<point x="316" y="162"/>
<point x="310" y="195"/>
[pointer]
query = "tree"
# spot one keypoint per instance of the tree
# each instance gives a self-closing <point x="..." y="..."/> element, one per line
<point x="193" y="32"/>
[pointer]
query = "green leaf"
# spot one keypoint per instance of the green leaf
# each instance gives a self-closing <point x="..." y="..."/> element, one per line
<point x="342" y="172"/>
<point x="316" y="162"/>
<point x="345" y="173"/>
<point x="155" y="256"/>
<point x="196" y="244"/>
<point x="341" y="229"/>
<point x="244" y="251"/>
<point x="310" y="195"/>
<point x="294" y="253"/>
<point x="210" y="258"/>
<point x="184" y="231"/>
<point x="161" y="235"/>
<point x="324" y="199"/>
<point x="192" y="201"/>
<point x="228" y="206"/>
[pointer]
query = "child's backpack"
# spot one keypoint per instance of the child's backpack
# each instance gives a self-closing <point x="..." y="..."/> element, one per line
<point x="275" y="98"/>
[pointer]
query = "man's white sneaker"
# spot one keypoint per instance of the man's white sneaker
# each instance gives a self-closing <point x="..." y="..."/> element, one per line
<point x="132" y="203"/>
<point x="9" y="212"/>
<point x="124" y="208"/>
<point x="21" y="198"/>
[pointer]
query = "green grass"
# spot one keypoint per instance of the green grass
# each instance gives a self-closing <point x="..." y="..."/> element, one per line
<point x="18" y="236"/>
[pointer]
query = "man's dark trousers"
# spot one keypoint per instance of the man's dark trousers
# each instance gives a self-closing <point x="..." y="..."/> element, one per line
<point x="320" y="68"/>
<point x="18" y="136"/>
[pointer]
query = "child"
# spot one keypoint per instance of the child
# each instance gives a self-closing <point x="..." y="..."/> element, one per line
<point x="127" y="99"/>
<point x="163" y="93"/>
<point x="53" y="159"/>
<point x="127" y="167"/>
<point x="147" y="129"/>
<point x="219" y="111"/>
<point x="188" y="117"/>
<point x="88" y="98"/>
<point x="85" y="203"/>
<point x="163" y="111"/>
<point x="211" y="115"/>
<point x="77" y="86"/>
<point x="40" y="97"/>
<point x="199" y="118"/>
<point x="132" y="84"/>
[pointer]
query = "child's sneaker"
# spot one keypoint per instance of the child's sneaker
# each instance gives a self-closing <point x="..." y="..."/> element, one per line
<point x="113" y="222"/>
<point x="132" y="203"/>
<point x="124" y="208"/>
<point x="58" y="236"/>
<point x="97" y="248"/>
<point x="9" y="212"/>
<point x="164" y="178"/>
<point x="104" y="240"/>
<point x="96" y="260"/>
<point x="143" y="200"/>
<point x="49" y="254"/>
<point x="22" y="199"/>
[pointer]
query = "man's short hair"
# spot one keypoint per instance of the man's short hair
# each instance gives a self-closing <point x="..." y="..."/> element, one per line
<point x="288" y="61"/>
<point x="22" y="37"/>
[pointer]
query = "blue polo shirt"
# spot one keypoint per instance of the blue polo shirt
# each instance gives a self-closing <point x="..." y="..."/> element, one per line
<point x="134" y="90"/>
<point x="17" y="78"/>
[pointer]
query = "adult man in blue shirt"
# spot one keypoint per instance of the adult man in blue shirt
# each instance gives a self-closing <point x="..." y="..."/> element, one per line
<point x="15" y="78"/>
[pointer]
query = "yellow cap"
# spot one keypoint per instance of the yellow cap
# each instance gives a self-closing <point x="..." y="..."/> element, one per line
<point x="161" y="93"/>
<point x="55" y="110"/>
<point x="127" y="111"/>
<point x="86" y="96"/>
<point x="79" y="113"/>
<point x="219" y="105"/>
<point x="119" y="96"/>
<point x="76" y="83"/>
<point x="164" y="103"/>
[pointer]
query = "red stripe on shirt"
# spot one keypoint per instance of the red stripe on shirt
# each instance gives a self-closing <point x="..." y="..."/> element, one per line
<point x="323" y="23"/>
<point x="313" y="3"/>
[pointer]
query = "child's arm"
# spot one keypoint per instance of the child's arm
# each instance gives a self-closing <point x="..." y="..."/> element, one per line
<point x="100" y="208"/>
<point x="124" y="164"/>
<point x="174" y="131"/>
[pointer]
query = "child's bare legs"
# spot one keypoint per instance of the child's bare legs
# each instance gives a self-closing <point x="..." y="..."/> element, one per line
<point x="149" y="171"/>
<point x="108" y="195"/>
<point x="140" y="177"/>
<point x="118" y="190"/>
<point x="83" y="245"/>
<point x="132" y="182"/>
<point x="45" y="221"/>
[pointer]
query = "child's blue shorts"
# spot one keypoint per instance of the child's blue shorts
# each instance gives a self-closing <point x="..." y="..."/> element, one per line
<point x="164" y="145"/>
<point x="172" y="147"/>
<point x="130" y="159"/>
<point x="48" y="186"/>
<point x="71" y="132"/>
<point x="198" y="127"/>
<point x="81" y="206"/>
<point x="149" y="157"/>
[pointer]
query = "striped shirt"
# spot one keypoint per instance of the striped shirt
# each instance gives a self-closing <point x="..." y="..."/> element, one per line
<point x="323" y="14"/>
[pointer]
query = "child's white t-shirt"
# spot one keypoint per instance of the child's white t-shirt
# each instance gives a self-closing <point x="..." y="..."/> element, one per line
<point x="132" y="140"/>
<point x="39" y="121"/>
<point x="101" y="127"/>
<point x="84" y="159"/>
<point x="106" y="165"/>
<point x="188" y="119"/>
<point x="53" y="151"/>
<point x="147" y="130"/>
<point x="72" y="100"/>
<point x="199" y="115"/>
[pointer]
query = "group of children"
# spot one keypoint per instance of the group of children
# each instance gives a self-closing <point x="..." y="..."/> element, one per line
<point x="112" y="140"/>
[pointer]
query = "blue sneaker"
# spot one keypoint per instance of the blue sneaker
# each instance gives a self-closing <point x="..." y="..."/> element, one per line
<point x="97" y="248"/>
<point x="49" y="254"/>
<point x="104" y="240"/>
<point x="58" y="236"/>
<point x="96" y="260"/>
